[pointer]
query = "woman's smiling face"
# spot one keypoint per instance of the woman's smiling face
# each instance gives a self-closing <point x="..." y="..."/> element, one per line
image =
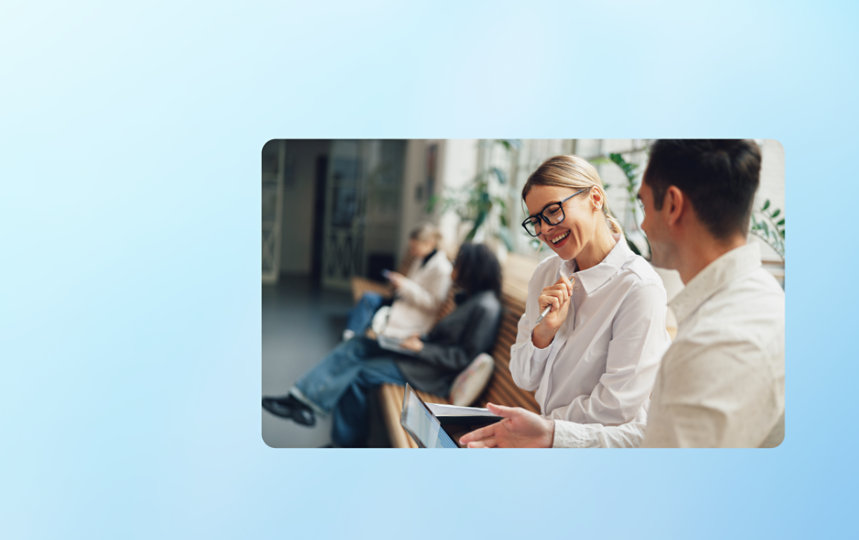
<point x="571" y="235"/>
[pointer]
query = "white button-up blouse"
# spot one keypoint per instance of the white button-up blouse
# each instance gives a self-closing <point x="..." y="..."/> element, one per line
<point x="601" y="366"/>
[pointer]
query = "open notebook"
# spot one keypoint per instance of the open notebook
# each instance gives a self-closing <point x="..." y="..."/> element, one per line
<point x="428" y="424"/>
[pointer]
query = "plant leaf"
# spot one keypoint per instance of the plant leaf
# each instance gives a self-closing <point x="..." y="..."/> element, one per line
<point x="502" y="177"/>
<point x="433" y="202"/>
<point x="470" y="236"/>
<point x="509" y="144"/>
<point x="478" y="221"/>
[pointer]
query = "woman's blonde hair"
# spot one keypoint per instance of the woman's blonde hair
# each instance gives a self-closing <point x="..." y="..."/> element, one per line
<point x="426" y="232"/>
<point x="575" y="173"/>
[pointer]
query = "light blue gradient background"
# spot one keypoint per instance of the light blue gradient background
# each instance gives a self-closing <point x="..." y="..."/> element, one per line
<point x="130" y="139"/>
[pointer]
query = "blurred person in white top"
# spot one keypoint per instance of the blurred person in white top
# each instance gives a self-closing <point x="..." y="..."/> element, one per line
<point x="721" y="383"/>
<point x="418" y="295"/>
<point x="594" y="356"/>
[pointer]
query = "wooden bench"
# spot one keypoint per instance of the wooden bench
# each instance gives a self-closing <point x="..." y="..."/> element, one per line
<point x="501" y="389"/>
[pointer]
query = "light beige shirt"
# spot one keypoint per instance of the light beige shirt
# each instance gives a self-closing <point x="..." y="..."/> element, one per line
<point x="721" y="383"/>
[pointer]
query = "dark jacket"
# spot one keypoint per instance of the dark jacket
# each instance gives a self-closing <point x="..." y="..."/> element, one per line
<point x="453" y="343"/>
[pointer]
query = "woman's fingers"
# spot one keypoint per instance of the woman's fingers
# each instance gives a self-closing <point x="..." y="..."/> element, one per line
<point x="550" y="301"/>
<point x="565" y="289"/>
<point x="567" y="282"/>
<point x="555" y="296"/>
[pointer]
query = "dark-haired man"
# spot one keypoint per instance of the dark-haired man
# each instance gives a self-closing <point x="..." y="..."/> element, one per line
<point x="721" y="383"/>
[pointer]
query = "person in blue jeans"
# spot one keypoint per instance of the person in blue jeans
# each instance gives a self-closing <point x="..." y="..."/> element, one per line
<point x="418" y="295"/>
<point x="341" y="383"/>
<point x="361" y="315"/>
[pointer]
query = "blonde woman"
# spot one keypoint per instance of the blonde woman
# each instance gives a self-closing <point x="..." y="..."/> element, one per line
<point x="419" y="294"/>
<point x="593" y="330"/>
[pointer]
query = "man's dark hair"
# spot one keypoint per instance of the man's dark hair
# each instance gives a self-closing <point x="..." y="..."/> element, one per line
<point x="477" y="269"/>
<point x="719" y="176"/>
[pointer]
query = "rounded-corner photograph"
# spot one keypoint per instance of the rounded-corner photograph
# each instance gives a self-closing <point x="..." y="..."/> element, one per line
<point x="523" y="293"/>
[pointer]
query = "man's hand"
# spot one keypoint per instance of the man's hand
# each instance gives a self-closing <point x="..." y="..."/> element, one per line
<point x="412" y="343"/>
<point x="518" y="429"/>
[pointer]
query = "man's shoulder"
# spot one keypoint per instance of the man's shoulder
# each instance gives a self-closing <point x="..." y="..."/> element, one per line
<point x="747" y="310"/>
<point x="754" y="293"/>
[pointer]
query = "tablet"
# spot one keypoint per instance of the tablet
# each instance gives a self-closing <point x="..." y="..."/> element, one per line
<point x="421" y="424"/>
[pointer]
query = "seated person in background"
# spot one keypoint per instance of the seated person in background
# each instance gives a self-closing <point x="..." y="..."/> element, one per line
<point x="593" y="358"/>
<point x="418" y="295"/>
<point x="341" y="382"/>
<point x="721" y="383"/>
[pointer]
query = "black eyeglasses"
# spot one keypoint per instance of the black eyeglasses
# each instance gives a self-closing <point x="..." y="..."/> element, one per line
<point x="551" y="214"/>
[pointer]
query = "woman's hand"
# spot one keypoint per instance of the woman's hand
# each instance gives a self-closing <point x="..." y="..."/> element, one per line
<point x="557" y="297"/>
<point x="412" y="343"/>
<point x="396" y="279"/>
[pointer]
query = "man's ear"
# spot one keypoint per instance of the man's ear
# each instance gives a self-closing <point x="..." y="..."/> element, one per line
<point x="674" y="204"/>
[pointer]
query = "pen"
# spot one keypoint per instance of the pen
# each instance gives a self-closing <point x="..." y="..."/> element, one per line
<point x="545" y="312"/>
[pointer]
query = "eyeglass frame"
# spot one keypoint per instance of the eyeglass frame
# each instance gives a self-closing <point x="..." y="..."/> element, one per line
<point x="540" y="217"/>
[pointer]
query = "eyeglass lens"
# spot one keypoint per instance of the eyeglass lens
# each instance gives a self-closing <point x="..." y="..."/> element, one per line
<point x="552" y="214"/>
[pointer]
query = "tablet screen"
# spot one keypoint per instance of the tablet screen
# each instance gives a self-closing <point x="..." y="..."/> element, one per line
<point x="421" y="424"/>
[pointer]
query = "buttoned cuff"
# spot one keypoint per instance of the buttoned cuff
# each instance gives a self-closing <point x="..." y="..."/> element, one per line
<point x="541" y="355"/>
<point x="573" y="435"/>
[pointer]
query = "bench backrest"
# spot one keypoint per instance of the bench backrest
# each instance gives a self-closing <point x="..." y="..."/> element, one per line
<point x="501" y="389"/>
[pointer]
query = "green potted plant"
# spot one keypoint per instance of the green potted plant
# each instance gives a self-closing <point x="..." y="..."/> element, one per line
<point x="483" y="202"/>
<point x="635" y="238"/>
<point x="768" y="225"/>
